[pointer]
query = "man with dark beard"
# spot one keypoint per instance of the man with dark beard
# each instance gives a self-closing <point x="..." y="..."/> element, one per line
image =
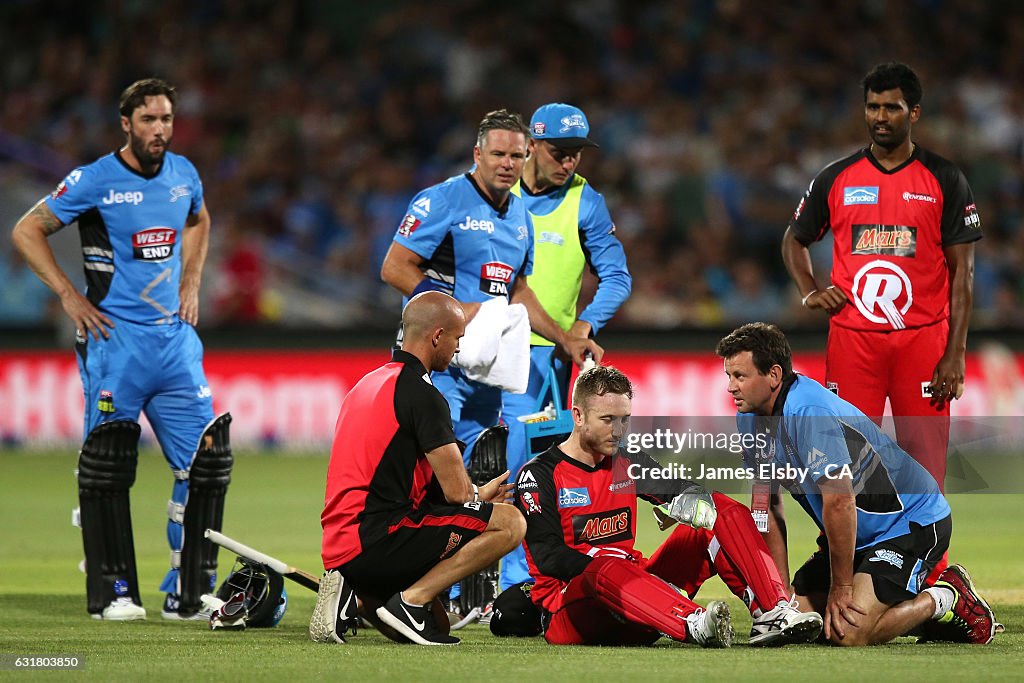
<point x="144" y="232"/>
<point x="904" y="224"/>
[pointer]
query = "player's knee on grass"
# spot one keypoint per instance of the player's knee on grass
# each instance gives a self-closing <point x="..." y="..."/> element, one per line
<point x="865" y="598"/>
<point x="509" y="519"/>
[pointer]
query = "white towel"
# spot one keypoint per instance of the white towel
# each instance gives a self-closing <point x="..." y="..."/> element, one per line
<point x="496" y="347"/>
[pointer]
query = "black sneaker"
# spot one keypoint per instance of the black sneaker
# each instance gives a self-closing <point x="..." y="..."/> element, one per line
<point x="414" y="622"/>
<point x="336" y="609"/>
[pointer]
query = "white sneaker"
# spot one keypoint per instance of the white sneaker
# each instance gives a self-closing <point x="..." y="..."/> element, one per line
<point x="711" y="627"/>
<point x="122" y="609"/>
<point x="785" y="625"/>
<point x="335" y="611"/>
<point x="169" y="611"/>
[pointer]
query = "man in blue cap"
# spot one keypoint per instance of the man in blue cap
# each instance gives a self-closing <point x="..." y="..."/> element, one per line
<point x="572" y="231"/>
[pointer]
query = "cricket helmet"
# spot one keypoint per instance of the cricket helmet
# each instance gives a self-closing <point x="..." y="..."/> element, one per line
<point x="265" y="597"/>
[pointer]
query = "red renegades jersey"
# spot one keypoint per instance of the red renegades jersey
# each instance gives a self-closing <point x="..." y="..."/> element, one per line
<point x="379" y="472"/>
<point x="573" y="511"/>
<point x="889" y="229"/>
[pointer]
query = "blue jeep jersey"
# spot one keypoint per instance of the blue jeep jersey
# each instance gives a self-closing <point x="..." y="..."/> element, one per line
<point x="131" y="229"/>
<point x="470" y="248"/>
<point x="817" y="430"/>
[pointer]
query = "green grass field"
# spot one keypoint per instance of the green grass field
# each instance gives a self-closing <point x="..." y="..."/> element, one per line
<point x="274" y="505"/>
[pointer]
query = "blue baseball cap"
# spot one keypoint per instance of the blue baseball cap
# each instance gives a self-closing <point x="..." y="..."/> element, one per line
<point x="563" y="125"/>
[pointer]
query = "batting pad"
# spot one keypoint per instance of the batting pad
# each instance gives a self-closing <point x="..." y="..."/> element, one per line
<point x="743" y="560"/>
<point x="629" y="591"/>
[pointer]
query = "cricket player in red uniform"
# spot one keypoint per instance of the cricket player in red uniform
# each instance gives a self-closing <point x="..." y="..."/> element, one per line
<point x="904" y="225"/>
<point x="594" y="587"/>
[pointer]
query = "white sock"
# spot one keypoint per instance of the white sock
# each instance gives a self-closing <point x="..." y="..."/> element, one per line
<point x="401" y="596"/>
<point x="943" y="597"/>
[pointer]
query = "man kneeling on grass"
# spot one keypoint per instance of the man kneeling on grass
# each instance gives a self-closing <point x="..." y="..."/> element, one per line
<point x="401" y="519"/>
<point x="884" y="520"/>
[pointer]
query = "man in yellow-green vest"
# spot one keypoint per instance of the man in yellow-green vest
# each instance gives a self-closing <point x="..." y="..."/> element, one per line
<point x="572" y="230"/>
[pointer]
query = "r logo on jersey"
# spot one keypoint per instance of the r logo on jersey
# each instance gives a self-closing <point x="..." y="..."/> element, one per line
<point x="883" y="293"/>
<point x="153" y="244"/>
<point x="495" y="277"/>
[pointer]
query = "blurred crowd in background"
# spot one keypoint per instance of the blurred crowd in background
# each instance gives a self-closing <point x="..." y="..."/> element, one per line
<point x="313" y="124"/>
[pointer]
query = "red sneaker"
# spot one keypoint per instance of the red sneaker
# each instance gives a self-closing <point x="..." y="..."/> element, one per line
<point x="970" y="620"/>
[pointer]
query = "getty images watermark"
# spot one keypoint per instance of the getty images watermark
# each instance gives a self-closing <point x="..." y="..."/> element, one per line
<point x="983" y="454"/>
<point x="665" y="440"/>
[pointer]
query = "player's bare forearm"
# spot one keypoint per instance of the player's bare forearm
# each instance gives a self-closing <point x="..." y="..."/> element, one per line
<point x="948" y="377"/>
<point x="195" y="241"/>
<point x="544" y="325"/>
<point x="839" y="516"/>
<point x="446" y="461"/>
<point x="401" y="268"/>
<point x="797" y="258"/>
<point x="30" y="239"/>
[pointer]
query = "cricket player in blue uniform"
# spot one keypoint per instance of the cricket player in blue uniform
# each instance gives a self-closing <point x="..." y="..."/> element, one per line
<point x="144" y="231"/>
<point x="470" y="237"/>
<point x="572" y="231"/>
<point x="885" y="522"/>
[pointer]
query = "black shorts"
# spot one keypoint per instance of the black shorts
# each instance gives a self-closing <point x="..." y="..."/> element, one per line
<point x="898" y="566"/>
<point x="413" y="546"/>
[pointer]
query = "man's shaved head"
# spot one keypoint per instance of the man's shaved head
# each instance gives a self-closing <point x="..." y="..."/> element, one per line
<point x="430" y="310"/>
<point x="432" y="323"/>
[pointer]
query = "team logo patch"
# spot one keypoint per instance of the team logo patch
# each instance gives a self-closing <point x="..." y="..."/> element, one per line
<point x="539" y="128"/>
<point x="495" y="277"/>
<point x="883" y="293"/>
<point x="573" y="498"/>
<point x="891" y="240"/>
<point x="409" y="225"/>
<point x="154" y="244"/>
<point x="105" y="404"/>
<point x="603" y="527"/>
<point x="890" y="556"/>
<point x="833" y="387"/>
<point x="179" y="192"/>
<point x="971" y="217"/>
<point x="531" y="503"/>
<point x="570" y="122"/>
<point x="860" y="195"/>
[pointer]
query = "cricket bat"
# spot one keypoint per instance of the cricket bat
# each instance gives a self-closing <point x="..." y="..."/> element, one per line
<point x="287" y="571"/>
